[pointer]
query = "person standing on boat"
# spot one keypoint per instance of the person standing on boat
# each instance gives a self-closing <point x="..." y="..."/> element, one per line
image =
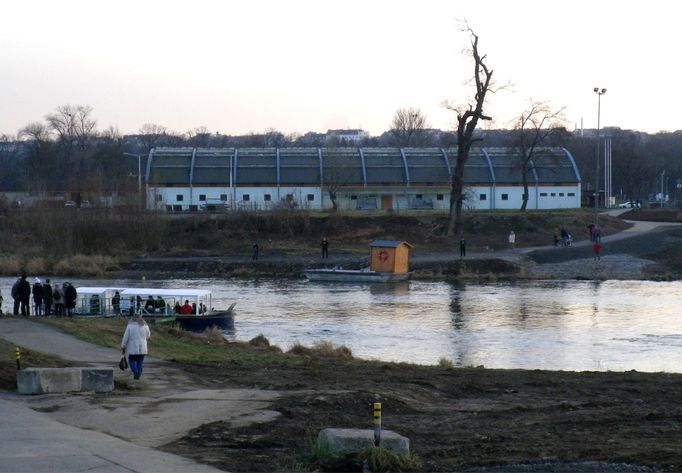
<point x="325" y="247"/>
<point x="47" y="297"/>
<point x="186" y="308"/>
<point x="116" y="303"/>
<point x="134" y="343"/>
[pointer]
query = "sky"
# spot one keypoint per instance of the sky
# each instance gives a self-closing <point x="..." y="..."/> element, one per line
<point x="238" y="67"/>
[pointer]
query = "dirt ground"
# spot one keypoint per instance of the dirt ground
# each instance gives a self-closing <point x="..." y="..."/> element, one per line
<point x="454" y="418"/>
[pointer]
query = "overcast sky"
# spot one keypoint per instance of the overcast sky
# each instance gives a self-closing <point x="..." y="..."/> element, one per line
<point x="245" y="66"/>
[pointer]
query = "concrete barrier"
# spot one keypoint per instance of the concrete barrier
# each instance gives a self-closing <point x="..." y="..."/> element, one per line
<point x="63" y="380"/>
<point x="356" y="440"/>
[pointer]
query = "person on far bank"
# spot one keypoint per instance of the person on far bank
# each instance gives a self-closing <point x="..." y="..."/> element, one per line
<point x="596" y="248"/>
<point x="325" y="248"/>
<point x="38" y="297"/>
<point x="47" y="297"/>
<point x="512" y="239"/>
<point x="462" y="247"/>
<point x="134" y="343"/>
<point x="254" y="255"/>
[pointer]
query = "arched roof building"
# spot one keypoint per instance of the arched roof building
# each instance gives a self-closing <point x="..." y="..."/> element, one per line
<point x="192" y="178"/>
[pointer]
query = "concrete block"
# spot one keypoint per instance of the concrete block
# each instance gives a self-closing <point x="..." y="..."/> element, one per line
<point x="356" y="440"/>
<point x="100" y="380"/>
<point x="48" y="380"/>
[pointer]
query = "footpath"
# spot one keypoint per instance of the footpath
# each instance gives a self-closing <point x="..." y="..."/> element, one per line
<point x="113" y="432"/>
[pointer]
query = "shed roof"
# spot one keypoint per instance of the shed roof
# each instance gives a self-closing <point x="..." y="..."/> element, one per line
<point x="388" y="244"/>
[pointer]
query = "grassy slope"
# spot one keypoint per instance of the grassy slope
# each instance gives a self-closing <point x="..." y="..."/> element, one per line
<point x="29" y="359"/>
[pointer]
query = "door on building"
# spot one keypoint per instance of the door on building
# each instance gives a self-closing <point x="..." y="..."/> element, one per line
<point x="386" y="202"/>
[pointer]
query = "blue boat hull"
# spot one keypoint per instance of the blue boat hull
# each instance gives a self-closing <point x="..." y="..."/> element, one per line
<point x="199" y="323"/>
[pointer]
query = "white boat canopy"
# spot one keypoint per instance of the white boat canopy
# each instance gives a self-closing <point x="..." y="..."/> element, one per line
<point x="189" y="293"/>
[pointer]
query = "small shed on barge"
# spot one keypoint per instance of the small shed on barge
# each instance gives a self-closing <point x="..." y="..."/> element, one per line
<point x="388" y="256"/>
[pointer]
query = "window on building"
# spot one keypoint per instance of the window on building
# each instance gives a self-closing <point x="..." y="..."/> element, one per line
<point x="179" y="198"/>
<point x="561" y="194"/>
<point x="504" y="196"/>
<point x="418" y="196"/>
<point x="177" y="208"/>
<point x="202" y="197"/>
<point x="543" y="194"/>
<point x="353" y="197"/>
<point x="267" y="197"/>
<point x="159" y="198"/>
<point x="246" y="197"/>
<point x="553" y="194"/>
<point x="571" y="194"/>
<point x="483" y="197"/>
<point x="439" y="196"/>
<point x="311" y="197"/>
<point x="223" y="197"/>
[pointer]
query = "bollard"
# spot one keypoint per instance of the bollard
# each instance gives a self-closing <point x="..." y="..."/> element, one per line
<point x="377" y="424"/>
<point x="18" y="355"/>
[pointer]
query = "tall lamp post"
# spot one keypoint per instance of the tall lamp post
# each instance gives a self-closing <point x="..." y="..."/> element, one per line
<point x="139" y="178"/>
<point x="599" y="93"/>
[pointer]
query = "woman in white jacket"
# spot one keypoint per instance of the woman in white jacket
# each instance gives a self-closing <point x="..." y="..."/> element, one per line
<point x="135" y="343"/>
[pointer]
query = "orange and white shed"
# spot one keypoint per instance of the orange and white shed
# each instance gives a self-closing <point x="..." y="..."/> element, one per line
<point x="388" y="256"/>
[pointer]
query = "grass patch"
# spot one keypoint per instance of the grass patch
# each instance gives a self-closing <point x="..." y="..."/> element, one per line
<point x="29" y="359"/>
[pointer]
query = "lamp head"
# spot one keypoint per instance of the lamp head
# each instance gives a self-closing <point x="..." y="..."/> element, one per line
<point x="603" y="91"/>
<point x="596" y="89"/>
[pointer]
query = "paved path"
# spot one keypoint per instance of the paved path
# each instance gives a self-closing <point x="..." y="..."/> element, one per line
<point x="94" y="430"/>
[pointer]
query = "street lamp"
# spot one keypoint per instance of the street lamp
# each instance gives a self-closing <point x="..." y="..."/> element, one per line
<point x="599" y="93"/>
<point x="139" y="178"/>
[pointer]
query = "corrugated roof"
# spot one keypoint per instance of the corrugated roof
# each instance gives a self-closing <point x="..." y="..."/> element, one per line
<point x="388" y="244"/>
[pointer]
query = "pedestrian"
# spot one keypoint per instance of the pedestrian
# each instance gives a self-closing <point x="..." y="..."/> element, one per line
<point x="254" y="255"/>
<point x="325" y="248"/>
<point x="15" y="296"/>
<point x="134" y="343"/>
<point x="24" y="291"/>
<point x="38" y="297"/>
<point x="58" y="297"/>
<point x="70" y="295"/>
<point x="597" y="234"/>
<point x="556" y="240"/>
<point x="116" y="303"/>
<point x="462" y="247"/>
<point x="596" y="248"/>
<point x="512" y="239"/>
<point x="590" y="229"/>
<point x="47" y="297"/>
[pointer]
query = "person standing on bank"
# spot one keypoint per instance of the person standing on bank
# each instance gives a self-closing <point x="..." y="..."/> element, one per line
<point x="134" y="343"/>
<point x="254" y="255"/>
<point x="15" y="296"/>
<point x="24" y="292"/>
<point x="70" y="296"/>
<point x="512" y="239"/>
<point x="462" y="247"/>
<point x="325" y="248"/>
<point x="47" y="297"/>
<point x="38" y="297"/>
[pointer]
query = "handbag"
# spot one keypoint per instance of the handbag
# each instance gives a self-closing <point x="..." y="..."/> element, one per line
<point x="123" y="364"/>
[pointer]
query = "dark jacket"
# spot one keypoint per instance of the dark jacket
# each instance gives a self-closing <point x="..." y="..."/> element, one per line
<point x="70" y="296"/>
<point x="47" y="294"/>
<point x="38" y="293"/>
<point x="24" y="290"/>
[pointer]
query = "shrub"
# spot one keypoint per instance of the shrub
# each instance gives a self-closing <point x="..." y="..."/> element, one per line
<point x="445" y="363"/>
<point x="260" y="341"/>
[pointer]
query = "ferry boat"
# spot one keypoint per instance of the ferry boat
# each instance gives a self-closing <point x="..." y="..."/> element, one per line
<point x="156" y="305"/>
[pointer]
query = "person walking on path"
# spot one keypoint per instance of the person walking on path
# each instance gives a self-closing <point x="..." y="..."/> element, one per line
<point x="134" y="343"/>
<point x="254" y="255"/>
<point x="24" y="292"/>
<point x="47" y="297"/>
<point x="325" y="248"/>
<point x="512" y="239"/>
<point x="462" y="247"/>
<point x="38" y="297"/>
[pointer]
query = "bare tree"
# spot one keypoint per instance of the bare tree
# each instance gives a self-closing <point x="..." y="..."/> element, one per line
<point x="72" y="124"/>
<point x="338" y="172"/>
<point x="408" y="127"/>
<point x="536" y="126"/>
<point x="151" y="134"/>
<point x="467" y="118"/>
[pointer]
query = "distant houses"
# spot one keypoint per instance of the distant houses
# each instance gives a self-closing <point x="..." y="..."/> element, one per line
<point x="195" y="179"/>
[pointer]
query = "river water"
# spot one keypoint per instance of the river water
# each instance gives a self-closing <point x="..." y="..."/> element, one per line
<point x="557" y="325"/>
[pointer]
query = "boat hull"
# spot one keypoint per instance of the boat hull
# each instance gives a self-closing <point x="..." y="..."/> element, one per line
<point x="350" y="275"/>
<point x="199" y="323"/>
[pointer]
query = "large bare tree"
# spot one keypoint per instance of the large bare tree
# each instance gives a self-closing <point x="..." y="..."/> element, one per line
<point x="73" y="124"/>
<point x="408" y="127"/>
<point x="536" y="126"/>
<point x="468" y="116"/>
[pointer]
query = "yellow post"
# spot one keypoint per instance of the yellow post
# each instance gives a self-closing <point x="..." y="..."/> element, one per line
<point x="18" y="355"/>
<point x="377" y="424"/>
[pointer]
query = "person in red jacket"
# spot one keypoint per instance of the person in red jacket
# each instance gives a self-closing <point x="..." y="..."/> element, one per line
<point x="186" y="308"/>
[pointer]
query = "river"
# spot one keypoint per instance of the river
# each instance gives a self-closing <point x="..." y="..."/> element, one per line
<point x="556" y="325"/>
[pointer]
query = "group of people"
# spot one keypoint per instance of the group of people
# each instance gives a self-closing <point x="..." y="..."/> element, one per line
<point x="48" y="299"/>
<point x="187" y="308"/>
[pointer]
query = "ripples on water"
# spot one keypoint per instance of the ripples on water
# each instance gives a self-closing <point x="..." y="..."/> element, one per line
<point x="558" y="325"/>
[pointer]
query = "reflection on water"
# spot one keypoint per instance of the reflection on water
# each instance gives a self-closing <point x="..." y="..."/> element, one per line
<point x="567" y="325"/>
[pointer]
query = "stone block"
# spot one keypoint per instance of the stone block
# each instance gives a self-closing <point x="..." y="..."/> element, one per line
<point x="48" y="380"/>
<point x="356" y="440"/>
<point x="100" y="380"/>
